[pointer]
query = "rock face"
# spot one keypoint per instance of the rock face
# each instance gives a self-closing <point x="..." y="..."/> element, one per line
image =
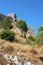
<point x="14" y="59"/>
<point x="3" y="61"/>
<point x="29" y="32"/>
<point x="30" y="29"/>
<point x="13" y="16"/>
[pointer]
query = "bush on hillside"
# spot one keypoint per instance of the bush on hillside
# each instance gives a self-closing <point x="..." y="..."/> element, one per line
<point x="7" y="35"/>
<point x="31" y="38"/>
<point x="39" y="37"/>
<point x="40" y="28"/>
<point x="7" y="23"/>
<point x="22" y="25"/>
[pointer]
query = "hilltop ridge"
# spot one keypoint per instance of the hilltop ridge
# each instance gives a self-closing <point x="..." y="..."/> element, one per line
<point x="18" y="40"/>
<point x="14" y="20"/>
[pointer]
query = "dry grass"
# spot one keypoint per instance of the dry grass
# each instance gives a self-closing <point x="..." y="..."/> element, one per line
<point x="18" y="47"/>
<point x="29" y="52"/>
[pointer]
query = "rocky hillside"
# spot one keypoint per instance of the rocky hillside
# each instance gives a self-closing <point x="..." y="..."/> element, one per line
<point x="18" y="45"/>
<point x="35" y="55"/>
<point x="13" y="18"/>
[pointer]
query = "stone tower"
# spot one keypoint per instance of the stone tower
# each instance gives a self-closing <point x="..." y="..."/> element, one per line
<point x="13" y="17"/>
<point x="30" y="30"/>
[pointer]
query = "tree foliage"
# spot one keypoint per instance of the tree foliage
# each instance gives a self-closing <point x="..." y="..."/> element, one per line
<point x="40" y="28"/>
<point x="6" y="23"/>
<point x="7" y="35"/>
<point x="31" y="38"/>
<point x="22" y="25"/>
<point x="39" y="37"/>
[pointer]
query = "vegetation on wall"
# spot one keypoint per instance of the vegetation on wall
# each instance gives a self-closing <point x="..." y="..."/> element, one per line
<point x="7" y="23"/>
<point x="22" y="25"/>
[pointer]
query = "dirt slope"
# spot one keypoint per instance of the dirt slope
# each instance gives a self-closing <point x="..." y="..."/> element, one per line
<point x="30" y="53"/>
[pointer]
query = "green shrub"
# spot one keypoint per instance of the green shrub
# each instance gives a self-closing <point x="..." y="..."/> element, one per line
<point x="40" y="28"/>
<point x="7" y="23"/>
<point x="7" y="35"/>
<point x="39" y="37"/>
<point x="31" y="38"/>
<point x="22" y="25"/>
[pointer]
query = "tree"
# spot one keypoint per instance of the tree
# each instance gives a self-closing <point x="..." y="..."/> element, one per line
<point x="31" y="38"/>
<point x="7" y="35"/>
<point x="39" y="37"/>
<point x="22" y="25"/>
<point x="40" y="28"/>
<point x="6" y="23"/>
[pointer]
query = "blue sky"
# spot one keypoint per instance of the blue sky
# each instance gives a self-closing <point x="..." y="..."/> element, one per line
<point x="29" y="10"/>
